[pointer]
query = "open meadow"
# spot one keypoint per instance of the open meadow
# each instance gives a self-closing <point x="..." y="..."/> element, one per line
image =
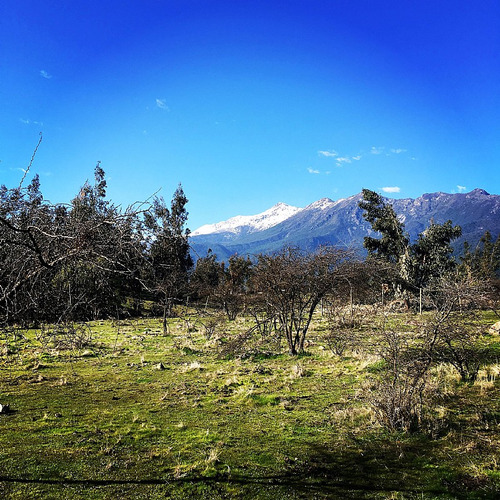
<point x="121" y="410"/>
<point x="249" y="250"/>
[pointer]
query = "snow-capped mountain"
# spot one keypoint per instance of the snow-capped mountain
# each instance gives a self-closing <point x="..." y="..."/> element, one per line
<point x="250" y="223"/>
<point x="341" y="223"/>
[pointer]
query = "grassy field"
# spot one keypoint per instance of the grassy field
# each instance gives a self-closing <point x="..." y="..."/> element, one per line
<point x="139" y="414"/>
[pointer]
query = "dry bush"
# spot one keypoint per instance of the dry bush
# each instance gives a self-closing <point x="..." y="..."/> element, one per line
<point x="340" y="340"/>
<point x="459" y="345"/>
<point x="212" y="323"/>
<point x="400" y="396"/>
<point x="66" y="336"/>
<point x="455" y="327"/>
<point x="344" y="323"/>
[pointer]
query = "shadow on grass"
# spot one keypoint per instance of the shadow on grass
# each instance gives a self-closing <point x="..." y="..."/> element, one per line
<point x="360" y="471"/>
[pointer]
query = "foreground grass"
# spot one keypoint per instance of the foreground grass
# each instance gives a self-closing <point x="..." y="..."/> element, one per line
<point x="109" y="421"/>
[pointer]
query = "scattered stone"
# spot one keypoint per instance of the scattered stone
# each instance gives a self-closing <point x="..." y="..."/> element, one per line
<point x="495" y="329"/>
<point x="286" y="405"/>
<point x="4" y="408"/>
<point x="57" y="415"/>
<point x="87" y="354"/>
<point x="160" y="366"/>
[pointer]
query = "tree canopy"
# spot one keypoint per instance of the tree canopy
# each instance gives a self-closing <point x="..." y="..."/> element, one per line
<point x="419" y="263"/>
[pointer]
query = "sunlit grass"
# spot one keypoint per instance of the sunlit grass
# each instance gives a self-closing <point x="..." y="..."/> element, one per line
<point x="106" y="422"/>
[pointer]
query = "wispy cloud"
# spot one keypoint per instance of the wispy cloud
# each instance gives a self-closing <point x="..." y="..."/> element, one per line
<point x="391" y="189"/>
<point x="330" y="153"/>
<point x="45" y="74"/>
<point x="461" y="189"/>
<point x="374" y="150"/>
<point x="343" y="159"/>
<point x="29" y="122"/>
<point x="339" y="160"/>
<point x="347" y="159"/>
<point x="162" y="104"/>
<point x="312" y="170"/>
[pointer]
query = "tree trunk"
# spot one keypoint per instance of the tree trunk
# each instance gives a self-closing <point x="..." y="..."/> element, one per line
<point x="165" y="324"/>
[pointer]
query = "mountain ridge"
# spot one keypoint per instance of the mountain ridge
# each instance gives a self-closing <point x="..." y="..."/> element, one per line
<point x="341" y="223"/>
<point x="250" y="223"/>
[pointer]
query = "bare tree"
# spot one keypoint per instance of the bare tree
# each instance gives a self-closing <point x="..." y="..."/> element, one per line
<point x="454" y="323"/>
<point x="289" y="285"/>
<point x="61" y="262"/>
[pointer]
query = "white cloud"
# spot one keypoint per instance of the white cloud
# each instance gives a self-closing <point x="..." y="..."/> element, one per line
<point x="328" y="153"/>
<point x="45" y="75"/>
<point x="461" y="189"/>
<point x="162" y="104"/>
<point x="312" y="170"/>
<point x="340" y="160"/>
<point x="343" y="159"/>
<point x="391" y="189"/>
<point x="376" y="150"/>
<point x="26" y="122"/>
<point x="398" y="150"/>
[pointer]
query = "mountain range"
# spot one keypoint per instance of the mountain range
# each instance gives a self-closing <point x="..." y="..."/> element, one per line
<point x="341" y="223"/>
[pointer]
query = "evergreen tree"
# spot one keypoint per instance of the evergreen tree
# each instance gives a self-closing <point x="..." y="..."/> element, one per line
<point x="484" y="261"/>
<point x="206" y="276"/>
<point x="233" y="285"/>
<point x="485" y="256"/>
<point x="432" y="253"/>
<point x="394" y="242"/>
<point x="170" y="260"/>
<point x="428" y="258"/>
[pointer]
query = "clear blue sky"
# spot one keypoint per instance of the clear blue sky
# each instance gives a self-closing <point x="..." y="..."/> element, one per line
<point x="250" y="102"/>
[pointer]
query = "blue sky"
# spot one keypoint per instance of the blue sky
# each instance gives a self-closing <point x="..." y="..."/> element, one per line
<point x="248" y="103"/>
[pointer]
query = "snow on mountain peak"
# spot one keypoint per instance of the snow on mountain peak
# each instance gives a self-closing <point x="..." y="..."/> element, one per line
<point x="274" y="215"/>
<point x="322" y="204"/>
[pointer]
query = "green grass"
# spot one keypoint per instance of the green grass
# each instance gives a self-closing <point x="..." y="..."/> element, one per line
<point x="105" y="422"/>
